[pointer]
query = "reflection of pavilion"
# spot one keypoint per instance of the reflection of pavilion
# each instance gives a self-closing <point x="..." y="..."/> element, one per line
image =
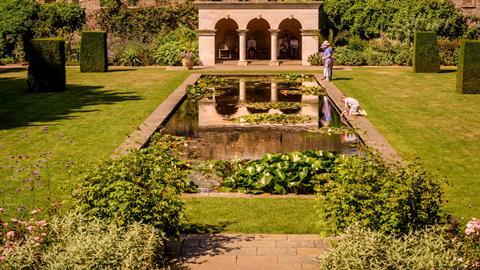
<point x="225" y="27"/>
<point x="209" y="116"/>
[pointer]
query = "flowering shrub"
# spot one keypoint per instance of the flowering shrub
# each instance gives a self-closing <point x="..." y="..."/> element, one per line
<point x="16" y="232"/>
<point x="187" y="55"/>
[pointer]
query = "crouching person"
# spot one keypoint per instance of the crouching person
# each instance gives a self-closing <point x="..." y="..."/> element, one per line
<point x="352" y="107"/>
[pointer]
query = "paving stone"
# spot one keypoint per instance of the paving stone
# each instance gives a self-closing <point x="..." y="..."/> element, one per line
<point x="257" y="259"/>
<point x="276" y="251"/>
<point x="309" y="251"/>
<point x="295" y="243"/>
<point x="297" y="259"/>
<point x="253" y="243"/>
<point x="247" y="251"/>
<point x="220" y="259"/>
<point x="310" y="266"/>
<point x="303" y="237"/>
<point x="270" y="237"/>
<point x="191" y="243"/>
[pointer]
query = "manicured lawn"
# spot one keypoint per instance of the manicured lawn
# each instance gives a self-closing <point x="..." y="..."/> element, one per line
<point x="262" y="215"/>
<point x="423" y="115"/>
<point x="85" y="124"/>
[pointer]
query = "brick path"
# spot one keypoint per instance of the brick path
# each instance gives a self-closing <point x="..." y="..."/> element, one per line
<point x="246" y="251"/>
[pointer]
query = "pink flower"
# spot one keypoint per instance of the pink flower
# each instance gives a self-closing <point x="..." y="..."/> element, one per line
<point x="2" y="210"/>
<point x="30" y="228"/>
<point x="2" y="258"/>
<point x="42" y="223"/>
<point x="10" y="234"/>
<point x="473" y="227"/>
<point x="43" y="234"/>
<point x="36" y="239"/>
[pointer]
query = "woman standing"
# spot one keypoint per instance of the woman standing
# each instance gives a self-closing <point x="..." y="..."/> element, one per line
<point x="327" y="60"/>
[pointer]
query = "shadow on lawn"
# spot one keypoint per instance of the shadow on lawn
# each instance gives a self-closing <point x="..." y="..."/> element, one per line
<point x="19" y="108"/>
<point x="12" y="70"/>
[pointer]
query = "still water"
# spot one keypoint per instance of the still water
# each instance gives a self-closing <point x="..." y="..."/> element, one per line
<point x="207" y="122"/>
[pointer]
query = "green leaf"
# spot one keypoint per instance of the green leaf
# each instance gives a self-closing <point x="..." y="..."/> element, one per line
<point x="263" y="181"/>
<point x="280" y="174"/>
<point x="303" y="174"/>
<point x="279" y="189"/>
<point x="259" y="168"/>
<point x="250" y="171"/>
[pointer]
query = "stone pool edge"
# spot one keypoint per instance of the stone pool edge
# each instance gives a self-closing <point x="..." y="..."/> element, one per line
<point x="140" y="137"/>
<point x="368" y="133"/>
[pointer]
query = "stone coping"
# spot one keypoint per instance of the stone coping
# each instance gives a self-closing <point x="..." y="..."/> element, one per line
<point x="140" y="137"/>
<point x="366" y="130"/>
<point x="244" y="195"/>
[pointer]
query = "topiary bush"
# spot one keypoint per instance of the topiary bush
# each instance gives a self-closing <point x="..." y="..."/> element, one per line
<point x="426" y="58"/>
<point x="468" y="73"/>
<point x="389" y="198"/>
<point x="93" y="52"/>
<point x="46" y="70"/>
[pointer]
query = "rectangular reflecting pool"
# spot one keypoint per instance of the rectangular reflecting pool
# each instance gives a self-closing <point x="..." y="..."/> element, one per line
<point x="219" y="125"/>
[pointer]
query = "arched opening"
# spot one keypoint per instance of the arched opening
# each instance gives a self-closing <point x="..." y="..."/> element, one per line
<point x="226" y="40"/>
<point x="290" y="39"/>
<point x="258" y="39"/>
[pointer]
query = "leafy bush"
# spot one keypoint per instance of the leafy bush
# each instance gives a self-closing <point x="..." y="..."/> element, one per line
<point x="144" y="24"/>
<point x="16" y="22"/>
<point x="143" y="186"/>
<point x="59" y="19"/>
<point x="315" y="59"/>
<point x="46" y="71"/>
<point x="297" y="172"/>
<point x="93" y="56"/>
<point x="347" y="57"/>
<point x="426" y="57"/>
<point x="469" y="67"/>
<point x="394" y="199"/>
<point x="362" y="248"/>
<point x="76" y="242"/>
<point x="448" y="51"/>
<point x="171" y="44"/>
<point x="131" y="53"/>
<point x="377" y="58"/>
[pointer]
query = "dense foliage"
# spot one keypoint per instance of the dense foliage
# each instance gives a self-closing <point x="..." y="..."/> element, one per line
<point x="173" y="43"/>
<point x="143" y="186"/>
<point x="296" y="172"/>
<point x="430" y="248"/>
<point x="426" y="57"/>
<point x="74" y="241"/>
<point x="59" y="19"/>
<point x="93" y="57"/>
<point x="469" y="68"/>
<point x="391" y="198"/>
<point x="46" y="69"/>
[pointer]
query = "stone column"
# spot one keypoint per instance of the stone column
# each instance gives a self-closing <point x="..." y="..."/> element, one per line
<point x="273" y="91"/>
<point x="242" y="37"/>
<point x="206" y="47"/>
<point x="309" y="44"/>
<point x="243" y="90"/>
<point x="273" y="48"/>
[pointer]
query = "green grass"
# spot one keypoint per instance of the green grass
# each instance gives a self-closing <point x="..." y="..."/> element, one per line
<point x="86" y="123"/>
<point x="259" y="215"/>
<point x="423" y="116"/>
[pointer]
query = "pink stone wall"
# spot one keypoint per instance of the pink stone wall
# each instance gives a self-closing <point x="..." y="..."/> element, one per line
<point x="468" y="7"/>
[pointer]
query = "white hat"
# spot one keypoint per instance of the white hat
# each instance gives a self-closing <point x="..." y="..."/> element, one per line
<point x="325" y="44"/>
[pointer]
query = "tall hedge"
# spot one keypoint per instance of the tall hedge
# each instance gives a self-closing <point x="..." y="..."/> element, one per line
<point x="426" y="57"/>
<point x="468" y="74"/>
<point x="93" y="52"/>
<point x="46" y="69"/>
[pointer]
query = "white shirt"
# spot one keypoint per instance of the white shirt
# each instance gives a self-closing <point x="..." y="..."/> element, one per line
<point x="351" y="102"/>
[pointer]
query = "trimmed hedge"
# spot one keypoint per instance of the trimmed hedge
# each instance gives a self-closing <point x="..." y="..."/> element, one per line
<point x="46" y="69"/>
<point x="93" y="52"/>
<point x="426" y="58"/>
<point x="468" y="74"/>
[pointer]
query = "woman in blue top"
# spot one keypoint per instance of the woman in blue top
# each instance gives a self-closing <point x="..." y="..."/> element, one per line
<point x="327" y="60"/>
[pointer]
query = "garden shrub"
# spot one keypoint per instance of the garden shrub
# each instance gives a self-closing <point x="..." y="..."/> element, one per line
<point x="315" y="59"/>
<point x="93" y="57"/>
<point x="448" y="51"/>
<point x="143" y="186"/>
<point x="361" y="248"/>
<point x="345" y="56"/>
<point x="468" y="73"/>
<point x="297" y="172"/>
<point x="46" y="70"/>
<point x="426" y="57"/>
<point x="17" y="18"/>
<point x="389" y="198"/>
<point x="377" y="58"/>
<point x="59" y="19"/>
<point x="77" y="242"/>
<point x="171" y="44"/>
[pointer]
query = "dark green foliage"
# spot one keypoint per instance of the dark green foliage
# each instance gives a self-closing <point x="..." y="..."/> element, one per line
<point x="46" y="70"/>
<point x="172" y="43"/>
<point x="468" y="74"/>
<point x="143" y="186"/>
<point x="143" y="24"/>
<point x="390" y="198"/>
<point x="59" y="19"/>
<point x="448" y="50"/>
<point x="296" y="172"/>
<point x="426" y="57"/>
<point x="16" y="22"/>
<point x="93" y="52"/>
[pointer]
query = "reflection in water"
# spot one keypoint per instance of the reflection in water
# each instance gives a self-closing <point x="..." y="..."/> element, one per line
<point x="217" y="138"/>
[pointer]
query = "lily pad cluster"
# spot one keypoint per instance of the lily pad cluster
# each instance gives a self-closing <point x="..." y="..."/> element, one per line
<point x="204" y="87"/>
<point x="297" y="77"/>
<point x="305" y="90"/>
<point x="273" y="105"/>
<point x="274" y="118"/>
<point x="296" y="172"/>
